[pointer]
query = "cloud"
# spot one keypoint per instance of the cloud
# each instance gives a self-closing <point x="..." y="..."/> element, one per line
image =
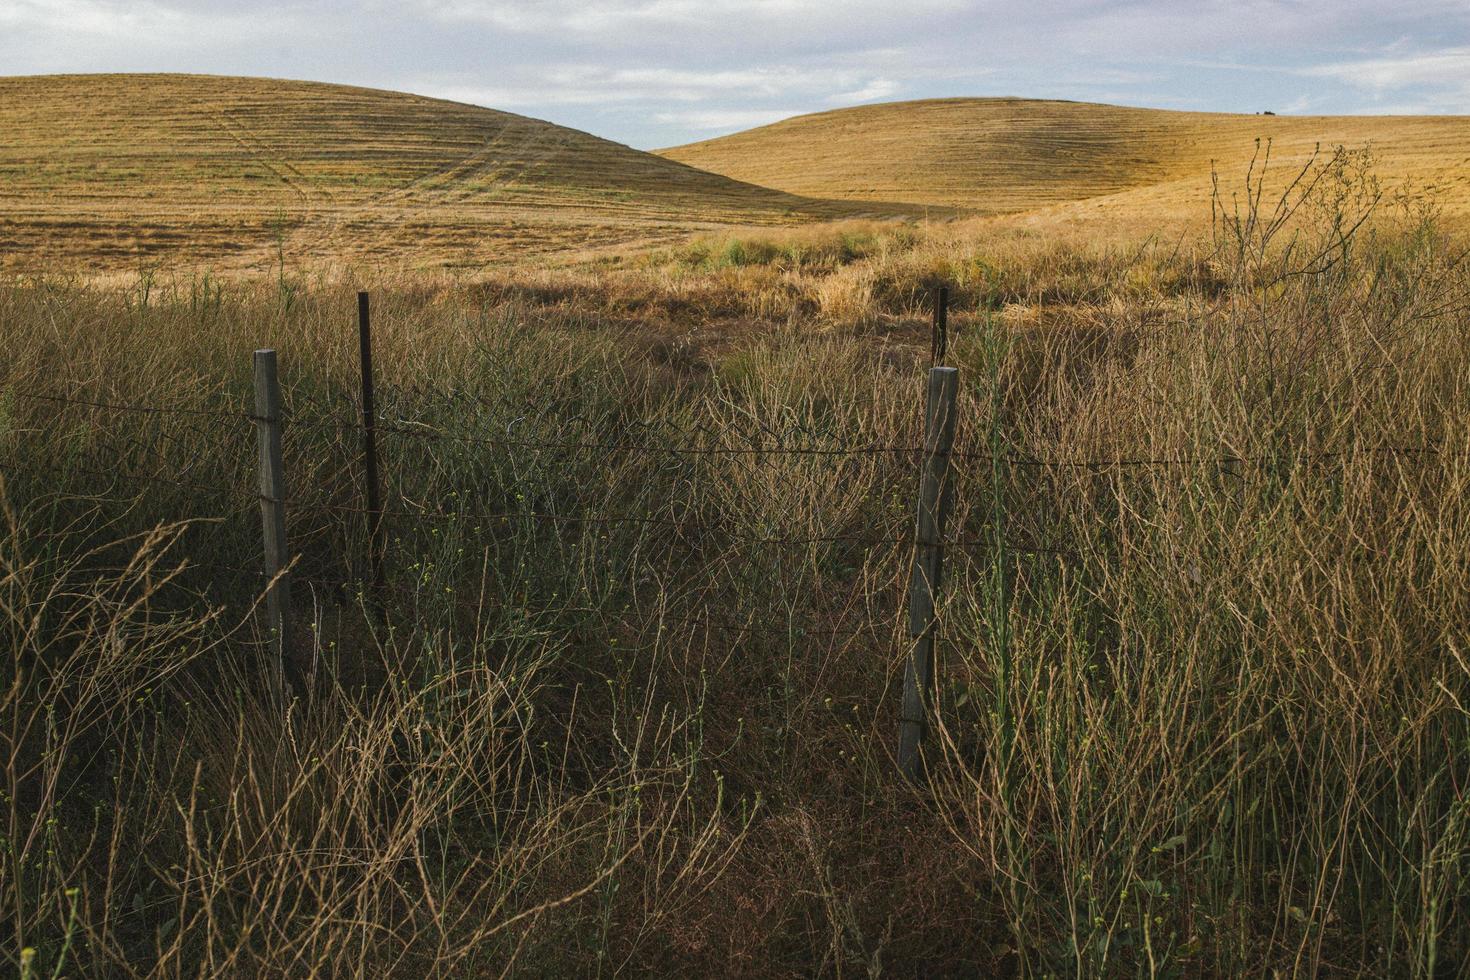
<point x="595" y="85"/>
<point x="1450" y="66"/>
<point x="75" y="35"/>
<point x="1436" y="81"/>
<point x="659" y="72"/>
<point x="87" y="16"/>
<point x="727" y="120"/>
<point x="703" y="16"/>
<point x="877" y="89"/>
<point x="1301" y="104"/>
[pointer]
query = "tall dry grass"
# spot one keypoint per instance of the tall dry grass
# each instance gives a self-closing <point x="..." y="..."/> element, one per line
<point x="1203" y="698"/>
<point x="1228" y="732"/>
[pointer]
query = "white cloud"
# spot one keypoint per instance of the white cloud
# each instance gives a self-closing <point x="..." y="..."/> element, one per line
<point x="658" y="72"/>
<point x="1423" y="83"/>
<point x="599" y="16"/>
<point x="1301" y="104"/>
<point x="728" y="120"/>
<point x="593" y="85"/>
<point x="101" y="30"/>
<point x="877" y="89"/>
<point x="1449" y="66"/>
<point x="86" y="16"/>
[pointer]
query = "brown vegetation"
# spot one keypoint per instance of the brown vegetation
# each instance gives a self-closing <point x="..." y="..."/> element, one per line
<point x="1205" y="675"/>
<point x="101" y="172"/>
<point x="1146" y="168"/>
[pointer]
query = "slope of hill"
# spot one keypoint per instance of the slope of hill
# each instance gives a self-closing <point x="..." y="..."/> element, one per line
<point x="117" y="169"/>
<point x="998" y="156"/>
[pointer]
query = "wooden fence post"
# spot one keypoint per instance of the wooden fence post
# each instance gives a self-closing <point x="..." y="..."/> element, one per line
<point x="377" y="545"/>
<point x="939" y="342"/>
<point x="934" y="499"/>
<point x="273" y="507"/>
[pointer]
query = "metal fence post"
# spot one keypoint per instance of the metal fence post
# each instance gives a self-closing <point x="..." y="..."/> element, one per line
<point x="933" y="509"/>
<point x="377" y="545"/>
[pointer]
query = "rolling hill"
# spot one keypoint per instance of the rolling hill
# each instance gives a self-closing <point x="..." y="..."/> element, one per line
<point x="1005" y="156"/>
<point x="108" y="172"/>
<point x="117" y="170"/>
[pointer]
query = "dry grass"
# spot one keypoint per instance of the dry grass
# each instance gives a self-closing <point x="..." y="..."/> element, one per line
<point x="109" y="171"/>
<point x="120" y="173"/>
<point x="1204" y="717"/>
<point x="1001" y="156"/>
<point x="879" y="275"/>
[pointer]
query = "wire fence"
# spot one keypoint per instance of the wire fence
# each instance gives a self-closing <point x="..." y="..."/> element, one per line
<point x="777" y="447"/>
<point x="746" y="448"/>
<point x="328" y="531"/>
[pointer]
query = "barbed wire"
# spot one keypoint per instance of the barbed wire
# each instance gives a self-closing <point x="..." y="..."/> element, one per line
<point x="747" y="447"/>
<point x="508" y="414"/>
<point x="1010" y="547"/>
<point x="1228" y="460"/>
<point x="779" y="447"/>
<point x="422" y="430"/>
<point x="126" y="407"/>
<point x="868" y="449"/>
<point x="683" y="528"/>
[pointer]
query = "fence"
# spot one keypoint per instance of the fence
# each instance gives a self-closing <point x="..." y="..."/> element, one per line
<point x="935" y="466"/>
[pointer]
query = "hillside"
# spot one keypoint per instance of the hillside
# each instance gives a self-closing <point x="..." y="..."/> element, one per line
<point x="999" y="156"/>
<point x="114" y="170"/>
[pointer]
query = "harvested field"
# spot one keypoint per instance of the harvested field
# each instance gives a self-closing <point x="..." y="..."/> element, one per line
<point x="116" y="171"/>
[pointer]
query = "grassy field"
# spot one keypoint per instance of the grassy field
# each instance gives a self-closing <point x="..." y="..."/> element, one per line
<point x="1130" y="166"/>
<point x="108" y="172"/>
<point x="631" y="705"/>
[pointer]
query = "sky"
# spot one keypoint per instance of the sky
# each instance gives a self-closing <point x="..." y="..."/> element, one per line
<point x="654" y="73"/>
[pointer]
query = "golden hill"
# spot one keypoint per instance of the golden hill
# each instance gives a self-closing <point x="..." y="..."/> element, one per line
<point x="1001" y="156"/>
<point x="117" y="170"/>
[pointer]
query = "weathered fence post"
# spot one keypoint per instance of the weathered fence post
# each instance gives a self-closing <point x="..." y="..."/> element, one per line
<point x="273" y="507"/>
<point x="377" y="545"/>
<point x="934" y="499"/>
<point x="939" y="341"/>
